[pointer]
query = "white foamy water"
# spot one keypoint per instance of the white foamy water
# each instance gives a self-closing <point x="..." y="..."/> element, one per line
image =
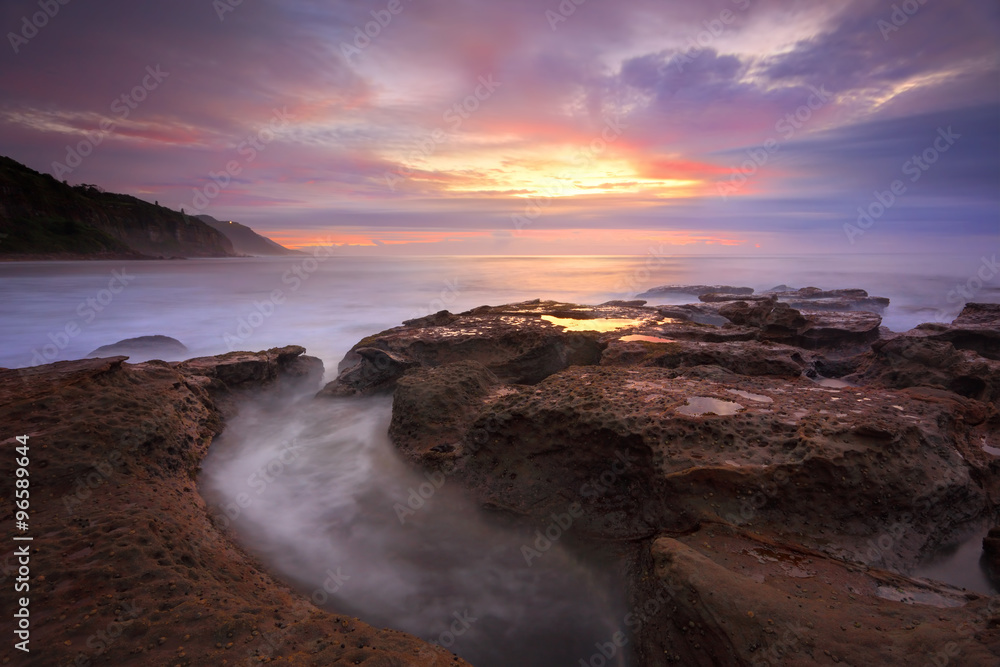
<point x="317" y="491"/>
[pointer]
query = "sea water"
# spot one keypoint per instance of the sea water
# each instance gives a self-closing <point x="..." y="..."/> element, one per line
<point x="55" y="311"/>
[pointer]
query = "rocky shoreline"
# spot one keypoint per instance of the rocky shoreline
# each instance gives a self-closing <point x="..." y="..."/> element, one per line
<point x="770" y="481"/>
<point x="128" y="567"/>
<point x="768" y="474"/>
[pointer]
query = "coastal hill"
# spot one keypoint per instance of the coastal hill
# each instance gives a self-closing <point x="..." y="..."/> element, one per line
<point x="245" y="240"/>
<point x="43" y="218"/>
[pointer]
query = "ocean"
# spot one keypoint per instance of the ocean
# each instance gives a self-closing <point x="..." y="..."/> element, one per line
<point x="54" y="311"/>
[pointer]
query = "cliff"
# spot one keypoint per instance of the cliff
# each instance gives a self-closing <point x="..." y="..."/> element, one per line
<point x="39" y="216"/>
<point x="245" y="240"/>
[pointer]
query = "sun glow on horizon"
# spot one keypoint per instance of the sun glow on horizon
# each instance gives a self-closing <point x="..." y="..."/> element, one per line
<point x="558" y="241"/>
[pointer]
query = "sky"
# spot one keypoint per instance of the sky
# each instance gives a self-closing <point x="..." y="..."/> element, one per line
<point x="526" y="126"/>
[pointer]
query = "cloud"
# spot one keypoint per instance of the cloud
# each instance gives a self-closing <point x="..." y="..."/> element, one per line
<point x="628" y="112"/>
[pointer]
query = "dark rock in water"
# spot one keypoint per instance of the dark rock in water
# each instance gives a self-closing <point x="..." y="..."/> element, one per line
<point x="438" y="319"/>
<point x="976" y="328"/>
<point x="851" y="330"/>
<point x="696" y="313"/>
<point x="874" y="304"/>
<point x="962" y="357"/>
<point x="236" y="370"/>
<point x="780" y="322"/>
<point x="817" y="293"/>
<point x="375" y="371"/>
<point x="694" y="290"/>
<point x="144" y="347"/>
<point x="634" y="303"/>
<point x="979" y="316"/>
<point x="762" y="314"/>
<point x="813" y="298"/>
<point x="715" y="297"/>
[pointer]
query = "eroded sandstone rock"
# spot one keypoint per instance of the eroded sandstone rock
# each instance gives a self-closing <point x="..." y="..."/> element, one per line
<point x="814" y="298"/>
<point x="779" y="322"/>
<point x="772" y="519"/>
<point x="931" y="361"/>
<point x="124" y="541"/>
<point x="870" y="458"/>
<point x="732" y="598"/>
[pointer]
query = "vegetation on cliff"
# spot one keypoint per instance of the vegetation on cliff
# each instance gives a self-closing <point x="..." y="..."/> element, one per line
<point x="42" y="216"/>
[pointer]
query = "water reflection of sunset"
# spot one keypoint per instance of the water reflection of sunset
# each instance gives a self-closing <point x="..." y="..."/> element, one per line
<point x="597" y="324"/>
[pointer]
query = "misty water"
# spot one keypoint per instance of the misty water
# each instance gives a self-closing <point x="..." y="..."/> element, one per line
<point x="323" y="514"/>
<point x="328" y="305"/>
<point x="317" y="491"/>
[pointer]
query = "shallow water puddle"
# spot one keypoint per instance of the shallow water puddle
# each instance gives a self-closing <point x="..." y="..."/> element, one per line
<point x="702" y="405"/>
<point x="760" y="398"/>
<point x="960" y="564"/>
<point x="832" y="382"/>
<point x="597" y="324"/>
<point x="995" y="451"/>
<point x="641" y="338"/>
